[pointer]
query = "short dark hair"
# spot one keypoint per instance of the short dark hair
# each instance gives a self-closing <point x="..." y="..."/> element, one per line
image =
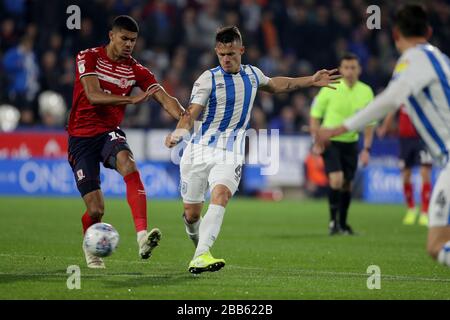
<point x="228" y="35"/>
<point x="125" y="22"/>
<point x="348" y="56"/>
<point x="412" y="21"/>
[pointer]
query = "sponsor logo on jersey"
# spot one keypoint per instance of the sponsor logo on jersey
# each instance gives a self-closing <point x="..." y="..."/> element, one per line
<point x="81" y="67"/>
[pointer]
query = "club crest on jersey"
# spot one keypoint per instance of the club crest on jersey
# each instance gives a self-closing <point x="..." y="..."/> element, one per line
<point x="80" y="175"/>
<point x="253" y="81"/>
<point x="123" y="83"/>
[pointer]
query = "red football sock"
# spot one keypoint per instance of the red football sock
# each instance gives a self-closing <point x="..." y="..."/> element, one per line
<point x="409" y="195"/>
<point x="426" y="194"/>
<point x="137" y="200"/>
<point x="87" y="221"/>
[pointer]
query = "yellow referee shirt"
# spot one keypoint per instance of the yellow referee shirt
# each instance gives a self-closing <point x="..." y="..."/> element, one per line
<point x="334" y="106"/>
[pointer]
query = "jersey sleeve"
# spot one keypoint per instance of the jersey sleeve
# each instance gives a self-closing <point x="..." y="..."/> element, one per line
<point x="319" y="104"/>
<point x="86" y="61"/>
<point x="145" y="79"/>
<point x="202" y="89"/>
<point x="263" y="80"/>
<point x="414" y="70"/>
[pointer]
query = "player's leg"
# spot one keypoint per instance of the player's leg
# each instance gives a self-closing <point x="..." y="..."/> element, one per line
<point x="335" y="174"/>
<point x="346" y="198"/>
<point x="209" y="231"/>
<point x="408" y="192"/>
<point x="95" y="209"/>
<point x="223" y="180"/>
<point x="137" y="201"/>
<point x="438" y="244"/>
<point x="192" y="219"/>
<point x="117" y="155"/>
<point x="349" y="161"/>
<point x="336" y="181"/>
<point x="212" y="221"/>
<point x="193" y="185"/>
<point x="84" y="161"/>
<point x="425" y="173"/>
<point x="406" y="163"/>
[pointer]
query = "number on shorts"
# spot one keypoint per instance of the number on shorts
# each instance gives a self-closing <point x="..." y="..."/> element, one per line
<point x="441" y="200"/>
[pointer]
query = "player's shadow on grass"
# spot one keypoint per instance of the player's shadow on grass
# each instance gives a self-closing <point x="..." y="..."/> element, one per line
<point x="47" y="276"/>
<point x="299" y="235"/>
<point x="166" y="279"/>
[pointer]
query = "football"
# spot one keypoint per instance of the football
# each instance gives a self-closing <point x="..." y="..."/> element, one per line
<point x="101" y="239"/>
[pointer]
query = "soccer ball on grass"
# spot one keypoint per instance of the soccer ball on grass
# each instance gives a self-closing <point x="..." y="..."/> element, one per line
<point x="101" y="239"/>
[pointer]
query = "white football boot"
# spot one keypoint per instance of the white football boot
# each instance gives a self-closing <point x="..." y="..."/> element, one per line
<point x="92" y="261"/>
<point x="149" y="242"/>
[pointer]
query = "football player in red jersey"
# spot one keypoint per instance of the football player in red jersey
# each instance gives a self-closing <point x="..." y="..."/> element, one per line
<point x="105" y="77"/>
<point x="413" y="152"/>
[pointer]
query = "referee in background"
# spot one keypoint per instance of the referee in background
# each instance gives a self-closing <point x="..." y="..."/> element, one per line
<point x="329" y="109"/>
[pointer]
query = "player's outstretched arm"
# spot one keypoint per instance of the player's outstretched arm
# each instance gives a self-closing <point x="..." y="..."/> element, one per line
<point x="322" y="78"/>
<point x="387" y="101"/>
<point x="184" y="125"/>
<point x="169" y="103"/>
<point x="97" y="96"/>
<point x="314" y="126"/>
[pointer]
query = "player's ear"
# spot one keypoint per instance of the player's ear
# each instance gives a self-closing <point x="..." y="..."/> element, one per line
<point x="395" y="33"/>
<point x="111" y="35"/>
<point x="429" y="32"/>
<point x="242" y="50"/>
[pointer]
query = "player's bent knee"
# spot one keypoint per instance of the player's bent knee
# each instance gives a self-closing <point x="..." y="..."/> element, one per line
<point x="221" y="195"/>
<point x="336" y="180"/>
<point x="192" y="211"/>
<point x="125" y="163"/>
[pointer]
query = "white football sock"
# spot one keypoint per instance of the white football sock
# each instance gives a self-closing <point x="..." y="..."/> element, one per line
<point x="209" y="228"/>
<point x="192" y="229"/>
<point x="444" y="255"/>
<point x="140" y="235"/>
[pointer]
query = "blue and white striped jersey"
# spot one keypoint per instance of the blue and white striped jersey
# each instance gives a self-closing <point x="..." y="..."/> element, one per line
<point x="421" y="83"/>
<point x="228" y="100"/>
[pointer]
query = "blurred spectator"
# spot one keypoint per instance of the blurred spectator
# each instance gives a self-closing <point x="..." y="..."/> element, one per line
<point x="289" y="37"/>
<point x="258" y="119"/>
<point x="8" y="35"/>
<point x="22" y="72"/>
<point x="285" y="122"/>
<point x="316" y="181"/>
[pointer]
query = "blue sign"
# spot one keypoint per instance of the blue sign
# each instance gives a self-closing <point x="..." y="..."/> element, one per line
<point x="383" y="184"/>
<point x="55" y="178"/>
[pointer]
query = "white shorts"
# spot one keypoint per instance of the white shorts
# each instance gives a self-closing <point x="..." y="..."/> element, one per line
<point x="439" y="215"/>
<point x="204" y="167"/>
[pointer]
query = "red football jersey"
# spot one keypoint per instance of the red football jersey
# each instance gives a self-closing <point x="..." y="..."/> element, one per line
<point x="405" y="127"/>
<point x="117" y="78"/>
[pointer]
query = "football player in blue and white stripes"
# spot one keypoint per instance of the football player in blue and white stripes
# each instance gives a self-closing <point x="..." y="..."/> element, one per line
<point x="421" y="83"/>
<point x="214" y="156"/>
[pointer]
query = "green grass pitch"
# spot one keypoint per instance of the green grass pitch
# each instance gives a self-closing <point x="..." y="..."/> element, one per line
<point x="273" y="251"/>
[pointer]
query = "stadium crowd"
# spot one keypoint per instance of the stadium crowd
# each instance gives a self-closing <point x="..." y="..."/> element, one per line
<point x="295" y="38"/>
